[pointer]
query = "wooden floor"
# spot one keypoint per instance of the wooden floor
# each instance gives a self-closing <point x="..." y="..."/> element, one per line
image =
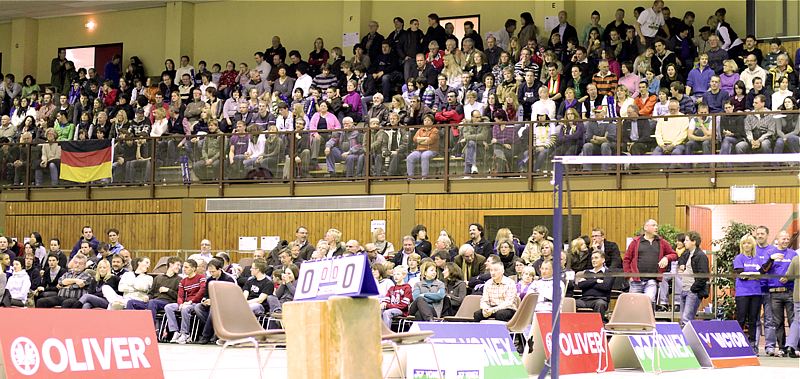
<point x="195" y="362"/>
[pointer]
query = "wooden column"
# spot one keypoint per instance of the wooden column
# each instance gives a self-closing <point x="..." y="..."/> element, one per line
<point x="334" y="339"/>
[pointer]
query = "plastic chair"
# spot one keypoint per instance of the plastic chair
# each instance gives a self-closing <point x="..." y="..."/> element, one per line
<point x="161" y="266"/>
<point x="390" y="340"/>
<point x="466" y="311"/>
<point x="632" y="316"/>
<point x="568" y="305"/>
<point x="523" y="317"/>
<point x="236" y="324"/>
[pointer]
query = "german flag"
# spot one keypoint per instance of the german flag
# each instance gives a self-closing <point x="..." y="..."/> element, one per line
<point x="85" y="161"/>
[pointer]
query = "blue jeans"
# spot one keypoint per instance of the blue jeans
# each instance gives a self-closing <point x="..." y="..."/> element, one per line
<point x="424" y="157"/>
<point x="648" y="287"/>
<point x="186" y="318"/>
<point x="663" y="287"/>
<point x="153" y="306"/>
<point x="690" y="302"/>
<point x="794" y="329"/>
<point x="766" y="322"/>
<point x="790" y="143"/>
<point x="203" y="312"/>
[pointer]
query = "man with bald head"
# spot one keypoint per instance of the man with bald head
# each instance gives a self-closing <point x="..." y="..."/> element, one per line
<point x="780" y="291"/>
<point x="205" y="252"/>
<point x="647" y="254"/>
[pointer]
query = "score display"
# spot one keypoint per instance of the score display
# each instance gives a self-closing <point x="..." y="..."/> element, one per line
<point x="339" y="276"/>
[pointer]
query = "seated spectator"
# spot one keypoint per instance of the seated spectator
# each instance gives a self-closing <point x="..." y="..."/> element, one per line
<point x="546" y="256"/>
<point x="600" y="137"/>
<point x="570" y="136"/>
<point x="729" y="76"/>
<point x="661" y="107"/>
<point x="163" y="291"/>
<point x="499" y="299"/>
<point x="134" y="285"/>
<point x="526" y="279"/>
<point x="508" y="255"/>
<point x="427" y="142"/>
<point x="259" y="288"/>
<point x="503" y="140"/>
<point x="544" y="287"/>
<point x="596" y="291"/>
<point x="731" y="129"/>
<point x="699" y="133"/>
<point x="455" y="289"/>
<point x="671" y="133"/>
<point x="759" y="129"/>
<point x="104" y="280"/>
<point x="579" y="257"/>
<point x="71" y="286"/>
<point x="781" y="93"/>
<point x="699" y="78"/>
<point x="470" y="263"/>
<point x="758" y="89"/>
<point x="18" y="284"/>
<point x="428" y="294"/>
<point x="687" y="104"/>
<point x="545" y="135"/>
<point x="346" y="146"/>
<point x="33" y="269"/>
<point x="788" y="129"/>
<point x="191" y="290"/>
<point x="715" y="96"/>
<point x="383" y="246"/>
<point x="285" y="292"/>
<point x="637" y="133"/>
<point x="379" y="272"/>
<point x="51" y="159"/>
<point x="50" y="278"/>
<point x="739" y="97"/>
<point x="397" y="298"/>
<point x="203" y="309"/>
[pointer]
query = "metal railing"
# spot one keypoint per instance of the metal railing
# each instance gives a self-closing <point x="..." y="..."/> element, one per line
<point x="289" y="157"/>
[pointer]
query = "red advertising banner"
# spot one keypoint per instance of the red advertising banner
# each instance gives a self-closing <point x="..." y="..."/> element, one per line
<point x="71" y="343"/>
<point x="580" y="343"/>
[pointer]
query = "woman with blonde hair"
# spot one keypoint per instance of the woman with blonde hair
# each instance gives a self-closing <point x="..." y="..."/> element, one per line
<point x="580" y="258"/>
<point x="383" y="246"/>
<point x="452" y="70"/>
<point x="533" y="248"/>
<point x="505" y="234"/>
<point x="749" y="267"/>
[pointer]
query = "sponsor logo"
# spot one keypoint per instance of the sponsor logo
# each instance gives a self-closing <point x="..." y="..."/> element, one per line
<point x="85" y="354"/>
<point x="577" y="343"/>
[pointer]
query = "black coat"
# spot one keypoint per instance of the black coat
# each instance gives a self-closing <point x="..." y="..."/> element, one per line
<point x="699" y="266"/>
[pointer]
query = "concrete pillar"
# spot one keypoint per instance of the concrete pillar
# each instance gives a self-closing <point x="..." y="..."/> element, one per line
<point x="24" y="36"/>
<point x="179" y="30"/>
<point x="188" y="241"/>
<point x="667" y="200"/>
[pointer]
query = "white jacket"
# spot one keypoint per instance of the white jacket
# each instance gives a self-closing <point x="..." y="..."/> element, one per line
<point x="18" y="285"/>
<point x="135" y="287"/>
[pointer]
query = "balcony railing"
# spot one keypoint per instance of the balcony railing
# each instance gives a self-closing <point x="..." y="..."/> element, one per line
<point x="294" y="157"/>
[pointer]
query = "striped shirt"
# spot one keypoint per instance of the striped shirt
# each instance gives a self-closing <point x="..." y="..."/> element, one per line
<point x="605" y="84"/>
<point x="192" y="289"/>
<point x="73" y="291"/>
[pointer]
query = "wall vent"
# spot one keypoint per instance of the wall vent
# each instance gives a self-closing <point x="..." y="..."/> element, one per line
<point x="297" y="204"/>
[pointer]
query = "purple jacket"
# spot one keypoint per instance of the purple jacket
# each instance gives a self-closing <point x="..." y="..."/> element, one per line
<point x="354" y="100"/>
<point x="504" y="136"/>
<point x="571" y="137"/>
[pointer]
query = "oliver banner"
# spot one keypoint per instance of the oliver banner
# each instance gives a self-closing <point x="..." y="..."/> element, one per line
<point x="72" y="343"/>
<point x="719" y="344"/>
<point x="496" y="357"/>
<point x="580" y="343"/>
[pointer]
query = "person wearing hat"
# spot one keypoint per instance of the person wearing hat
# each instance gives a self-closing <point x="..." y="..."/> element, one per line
<point x="701" y="40"/>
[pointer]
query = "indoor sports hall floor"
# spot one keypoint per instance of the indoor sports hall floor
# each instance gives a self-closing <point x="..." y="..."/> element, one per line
<point x="195" y="361"/>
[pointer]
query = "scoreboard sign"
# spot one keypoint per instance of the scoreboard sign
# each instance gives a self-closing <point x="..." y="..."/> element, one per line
<point x="339" y="276"/>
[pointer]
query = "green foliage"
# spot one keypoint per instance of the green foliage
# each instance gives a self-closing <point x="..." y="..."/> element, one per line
<point x="665" y="231"/>
<point x="728" y="249"/>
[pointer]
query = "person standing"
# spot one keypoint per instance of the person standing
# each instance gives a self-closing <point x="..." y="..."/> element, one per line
<point x="647" y="254"/>
<point x="693" y="290"/>
<point x="58" y="70"/>
<point x="780" y="289"/>
<point x="748" y="265"/>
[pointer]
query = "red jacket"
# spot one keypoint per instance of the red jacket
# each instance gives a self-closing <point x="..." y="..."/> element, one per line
<point x="630" y="263"/>
<point x="399" y="297"/>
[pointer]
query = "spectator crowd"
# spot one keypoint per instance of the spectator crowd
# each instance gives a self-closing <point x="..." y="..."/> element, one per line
<point x="426" y="279"/>
<point x="401" y="100"/>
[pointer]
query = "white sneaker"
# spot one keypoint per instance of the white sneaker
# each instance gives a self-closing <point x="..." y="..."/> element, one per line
<point x="183" y="339"/>
<point x="474" y="169"/>
<point x="175" y="337"/>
